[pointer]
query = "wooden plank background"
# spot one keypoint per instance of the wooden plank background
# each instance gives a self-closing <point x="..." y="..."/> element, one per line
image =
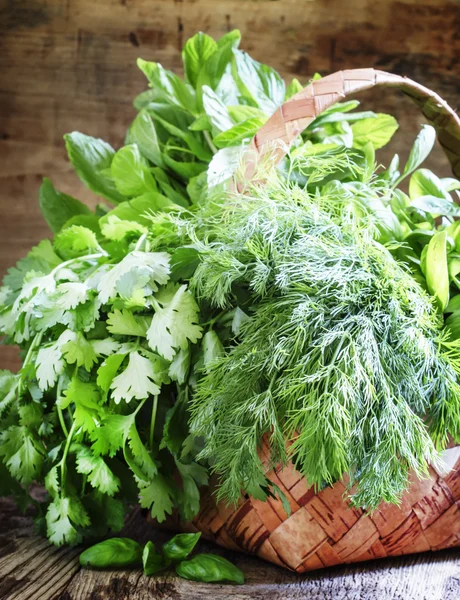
<point x="70" y="65"/>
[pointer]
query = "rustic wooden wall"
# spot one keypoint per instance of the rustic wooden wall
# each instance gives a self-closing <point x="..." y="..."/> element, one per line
<point x="70" y="65"/>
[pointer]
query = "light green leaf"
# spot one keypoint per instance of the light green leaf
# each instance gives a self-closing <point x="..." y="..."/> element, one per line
<point x="259" y="84"/>
<point x="117" y="229"/>
<point x="238" y="133"/>
<point x="195" y="53"/>
<point x="425" y="183"/>
<point x="293" y="88"/>
<point x="90" y="157"/>
<point x="423" y="145"/>
<point x="143" y="133"/>
<point x="75" y="241"/>
<point x="49" y="365"/>
<point x="21" y="454"/>
<point x="151" y="268"/>
<point x="98" y="473"/>
<point x="437" y="274"/>
<point x="130" y="172"/>
<point x="378" y="131"/>
<point x="180" y="366"/>
<point x="216" y="110"/>
<point x="158" y="496"/>
<point x="124" y="322"/>
<point x="169" y="85"/>
<point x="85" y="399"/>
<point x="137" y="381"/>
<point x="108" y="370"/>
<point x="175" y="321"/>
<point x="77" y="350"/>
<point x="212" y="348"/>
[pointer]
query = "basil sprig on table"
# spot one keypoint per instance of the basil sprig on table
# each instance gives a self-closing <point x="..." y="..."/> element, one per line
<point x="125" y="552"/>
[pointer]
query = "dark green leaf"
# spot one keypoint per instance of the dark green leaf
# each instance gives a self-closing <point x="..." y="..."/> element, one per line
<point x="180" y="546"/>
<point x="209" y="568"/>
<point x="112" y="553"/>
<point x="90" y="158"/>
<point x="152" y="561"/>
<point x="57" y="208"/>
<point x="169" y="85"/>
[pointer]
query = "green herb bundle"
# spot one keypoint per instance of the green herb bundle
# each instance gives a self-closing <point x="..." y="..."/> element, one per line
<point x="162" y="336"/>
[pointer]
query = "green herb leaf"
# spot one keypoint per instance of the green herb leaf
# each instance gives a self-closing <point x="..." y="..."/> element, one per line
<point x="152" y="561"/>
<point x="57" y="208"/>
<point x="378" y="131"/>
<point x="90" y="158"/>
<point x="143" y="133"/>
<point x="423" y="145"/>
<point x="238" y="133"/>
<point x="180" y="546"/>
<point x="196" y="52"/>
<point x="210" y="568"/>
<point x="112" y="553"/>
<point x="437" y="274"/>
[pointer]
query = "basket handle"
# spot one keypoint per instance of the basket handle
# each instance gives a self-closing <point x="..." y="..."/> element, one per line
<point x="290" y="119"/>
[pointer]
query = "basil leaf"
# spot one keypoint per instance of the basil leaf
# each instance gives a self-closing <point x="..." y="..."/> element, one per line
<point x="452" y="325"/>
<point x="423" y="145"/>
<point x="378" y="130"/>
<point x="57" y="208"/>
<point x="180" y="546"/>
<point x="152" y="561"/>
<point x="450" y="184"/>
<point x="112" y="553"/>
<point x="137" y="209"/>
<point x="90" y="158"/>
<point x="259" y="84"/>
<point x="436" y="206"/>
<point x="425" y="183"/>
<point x="238" y="133"/>
<point x="169" y="85"/>
<point x="142" y="132"/>
<point x="130" y="172"/>
<point x="436" y="270"/>
<point x="293" y="88"/>
<point x="216" y="110"/>
<point x="196" y="52"/>
<point x="209" y="568"/>
<point x="185" y="169"/>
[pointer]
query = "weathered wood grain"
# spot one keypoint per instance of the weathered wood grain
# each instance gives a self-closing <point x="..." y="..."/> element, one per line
<point x="71" y="66"/>
<point x="32" y="569"/>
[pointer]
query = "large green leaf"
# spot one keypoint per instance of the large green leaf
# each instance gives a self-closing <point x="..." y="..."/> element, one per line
<point x="57" y="208"/>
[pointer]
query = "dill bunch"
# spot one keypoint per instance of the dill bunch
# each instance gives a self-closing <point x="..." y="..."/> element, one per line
<point x="343" y="356"/>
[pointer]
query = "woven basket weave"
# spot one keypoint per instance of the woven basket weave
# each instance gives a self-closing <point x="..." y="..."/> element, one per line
<point x="322" y="529"/>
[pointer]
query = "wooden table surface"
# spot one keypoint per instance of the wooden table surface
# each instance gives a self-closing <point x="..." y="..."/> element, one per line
<point x="31" y="569"/>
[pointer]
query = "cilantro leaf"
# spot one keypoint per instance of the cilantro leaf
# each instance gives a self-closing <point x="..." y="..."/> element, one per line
<point x="77" y="350"/>
<point x="137" y="381"/>
<point x="159" y="496"/>
<point x="112" y="434"/>
<point x="124" y="322"/>
<point x="75" y="241"/>
<point x="151" y="268"/>
<point x="21" y="454"/>
<point x="180" y="366"/>
<point x="117" y="229"/>
<point x="99" y="474"/>
<point x="174" y="322"/>
<point x="8" y="386"/>
<point x="70" y="294"/>
<point x="62" y="518"/>
<point x="108" y="370"/>
<point x="85" y="397"/>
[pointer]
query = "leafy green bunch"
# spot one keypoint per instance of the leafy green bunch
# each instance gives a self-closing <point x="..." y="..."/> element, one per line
<point x="342" y="352"/>
<point x="281" y="312"/>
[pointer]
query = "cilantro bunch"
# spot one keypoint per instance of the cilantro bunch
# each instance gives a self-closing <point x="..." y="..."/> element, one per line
<point x="138" y="322"/>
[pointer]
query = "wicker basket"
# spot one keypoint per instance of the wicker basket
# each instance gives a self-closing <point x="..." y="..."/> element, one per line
<point x="322" y="529"/>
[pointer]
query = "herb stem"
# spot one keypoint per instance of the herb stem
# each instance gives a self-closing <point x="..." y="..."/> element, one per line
<point x="64" y="456"/>
<point x="208" y="139"/>
<point x="152" y="421"/>
<point x="59" y="409"/>
<point x="82" y="258"/>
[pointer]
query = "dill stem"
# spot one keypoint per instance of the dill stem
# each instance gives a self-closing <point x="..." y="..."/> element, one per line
<point x="152" y="421"/>
<point x="208" y="139"/>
